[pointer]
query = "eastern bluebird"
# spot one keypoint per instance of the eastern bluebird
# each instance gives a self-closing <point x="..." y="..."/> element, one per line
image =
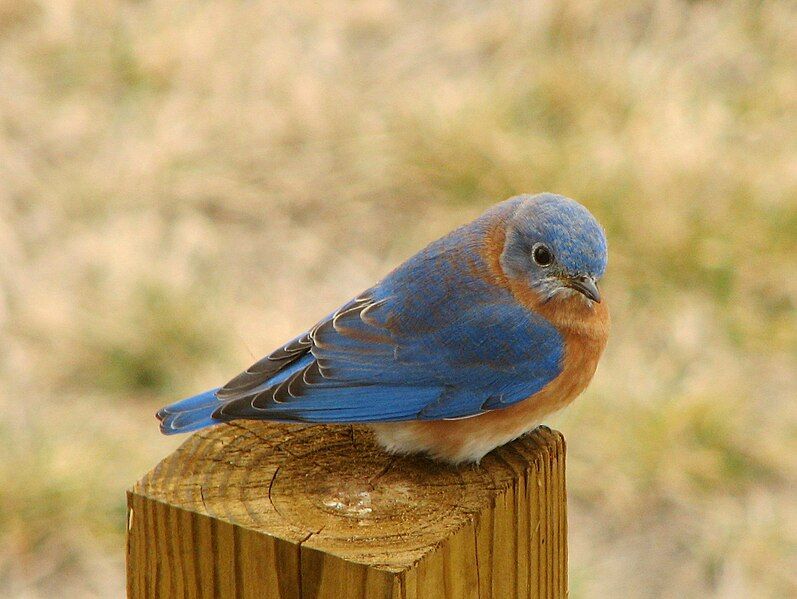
<point x="467" y="345"/>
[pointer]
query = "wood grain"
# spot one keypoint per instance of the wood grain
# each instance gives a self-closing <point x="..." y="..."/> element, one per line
<point x="314" y="512"/>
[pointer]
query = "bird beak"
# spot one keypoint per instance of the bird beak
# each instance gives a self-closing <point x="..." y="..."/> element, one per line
<point x="587" y="286"/>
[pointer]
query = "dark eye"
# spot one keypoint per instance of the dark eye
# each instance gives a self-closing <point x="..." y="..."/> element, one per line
<point x="542" y="255"/>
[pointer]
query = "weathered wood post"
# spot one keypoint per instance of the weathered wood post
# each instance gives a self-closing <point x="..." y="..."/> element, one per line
<point x="312" y="512"/>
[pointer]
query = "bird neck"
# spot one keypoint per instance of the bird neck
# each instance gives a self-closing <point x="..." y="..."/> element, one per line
<point x="570" y="313"/>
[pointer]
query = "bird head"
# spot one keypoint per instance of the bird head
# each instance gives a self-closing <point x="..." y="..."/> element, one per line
<point x="554" y="245"/>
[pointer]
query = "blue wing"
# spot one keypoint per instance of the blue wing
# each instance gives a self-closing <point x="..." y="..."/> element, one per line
<point x="359" y="368"/>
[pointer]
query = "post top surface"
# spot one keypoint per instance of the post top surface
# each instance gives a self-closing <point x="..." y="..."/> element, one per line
<point x="333" y="489"/>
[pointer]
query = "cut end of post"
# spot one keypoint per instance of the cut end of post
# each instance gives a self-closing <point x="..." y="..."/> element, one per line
<point x="278" y="510"/>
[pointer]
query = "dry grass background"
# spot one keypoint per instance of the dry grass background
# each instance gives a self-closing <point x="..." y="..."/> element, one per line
<point x="185" y="185"/>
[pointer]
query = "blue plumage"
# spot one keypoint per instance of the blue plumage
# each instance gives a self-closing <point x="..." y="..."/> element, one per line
<point x="189" y="414"/>
<point x="436" y="339"/>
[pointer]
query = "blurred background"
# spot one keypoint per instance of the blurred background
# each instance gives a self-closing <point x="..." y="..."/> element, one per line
<point x="185" y="185"/>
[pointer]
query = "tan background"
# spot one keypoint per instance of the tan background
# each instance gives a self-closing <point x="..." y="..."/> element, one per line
<point x="184" y="185"/>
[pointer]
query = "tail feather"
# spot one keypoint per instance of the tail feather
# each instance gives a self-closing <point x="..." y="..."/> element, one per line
<point x="196" y="412"/>
<point x="189" y="414"/>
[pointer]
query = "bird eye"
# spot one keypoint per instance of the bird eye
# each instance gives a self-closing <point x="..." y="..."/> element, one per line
<point x="542" y="255"/>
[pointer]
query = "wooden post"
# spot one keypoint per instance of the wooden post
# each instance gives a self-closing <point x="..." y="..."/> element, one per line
<point x="280" y="511"/>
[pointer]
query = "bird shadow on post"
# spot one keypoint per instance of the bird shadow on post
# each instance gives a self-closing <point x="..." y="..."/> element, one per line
<point x="267" y="510"/>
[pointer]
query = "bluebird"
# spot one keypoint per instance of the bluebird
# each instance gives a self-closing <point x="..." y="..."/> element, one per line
<point x="462" y="348"/>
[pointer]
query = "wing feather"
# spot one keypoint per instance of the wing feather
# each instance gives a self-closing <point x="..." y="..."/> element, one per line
<point x="354" y="366"/>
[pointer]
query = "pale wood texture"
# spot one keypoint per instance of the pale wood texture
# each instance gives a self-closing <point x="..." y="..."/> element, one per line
<point x="281" y="511"/>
